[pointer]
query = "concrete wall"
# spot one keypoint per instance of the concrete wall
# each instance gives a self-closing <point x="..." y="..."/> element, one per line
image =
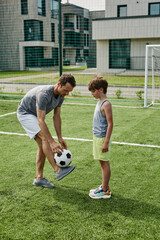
<point x="134" y="7"/>
<point x="126" y="28"/>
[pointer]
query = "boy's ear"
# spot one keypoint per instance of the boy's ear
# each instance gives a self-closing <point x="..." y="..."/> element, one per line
<point x="101" y="89"/>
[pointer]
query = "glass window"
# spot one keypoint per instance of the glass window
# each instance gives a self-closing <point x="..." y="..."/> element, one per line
<point x="41" y="7"/>
<point x="55" y="56"/>
<point x="24" y="6"/>
<point x="77" y="22"/>
<point x="72" y="39"/>
<point x="122" y="11"/>
<point x="54" y="8"/>
<point x="86" y="40"/>
<point x="33" y="30"/>
<point x="53" y="31"/>
<point x="119" y="54"/>
<point x="154" y="8"/>
<point x="86" y="24"/>
<point x="33" y="56"/>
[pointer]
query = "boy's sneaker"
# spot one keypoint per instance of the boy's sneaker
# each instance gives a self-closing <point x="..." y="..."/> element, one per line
<point x="99" y="193"/>
<point x="43" y="182"/>
<point x="96" y="189"/>
<point x="64" y="172"/>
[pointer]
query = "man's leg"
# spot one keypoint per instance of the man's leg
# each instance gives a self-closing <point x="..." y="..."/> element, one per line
<point x="44" y="150"/>
<point x="40" y="159"/>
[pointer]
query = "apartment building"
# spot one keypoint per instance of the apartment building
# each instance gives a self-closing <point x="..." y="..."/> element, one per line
<point x="75" y="33"/>
<point x="122" y="35"/>
<point x="28" y="34"/>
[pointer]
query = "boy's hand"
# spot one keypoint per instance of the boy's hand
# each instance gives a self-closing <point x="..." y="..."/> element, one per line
<point x="105" y="147"/>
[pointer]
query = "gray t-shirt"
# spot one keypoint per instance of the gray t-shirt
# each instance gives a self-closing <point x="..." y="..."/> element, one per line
<point x="41" y="97"/>
<point x="100" y="123"/>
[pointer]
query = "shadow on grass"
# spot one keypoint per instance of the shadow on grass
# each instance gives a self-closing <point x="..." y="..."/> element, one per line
<point x="125" y="206"/>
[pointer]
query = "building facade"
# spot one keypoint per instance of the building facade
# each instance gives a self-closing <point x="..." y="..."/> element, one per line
<point x="28" y="34"/>
<point x="122" y="35"/>
<point x="75" y="33"/>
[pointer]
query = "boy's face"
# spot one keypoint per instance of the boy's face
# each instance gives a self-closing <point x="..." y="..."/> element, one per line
<point x="97" y="93"/>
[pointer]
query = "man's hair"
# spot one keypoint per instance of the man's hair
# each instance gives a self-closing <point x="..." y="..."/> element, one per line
<point x="96" y="83"/>
<point x="67" y="78"/>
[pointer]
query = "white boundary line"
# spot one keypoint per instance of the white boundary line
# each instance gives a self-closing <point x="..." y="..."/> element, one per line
<point x="7" y="114"/>
<point x="89" y="104"/>
<point x="89" y="140"/>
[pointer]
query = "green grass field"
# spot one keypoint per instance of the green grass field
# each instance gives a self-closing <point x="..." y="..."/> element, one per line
<point x="66" y="212"/>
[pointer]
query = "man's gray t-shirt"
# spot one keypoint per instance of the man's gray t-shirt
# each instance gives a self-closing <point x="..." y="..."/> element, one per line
<point x="41" y="97"/>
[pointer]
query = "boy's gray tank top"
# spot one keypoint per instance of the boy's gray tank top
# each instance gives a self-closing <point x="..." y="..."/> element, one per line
<point x="100" y="123"/>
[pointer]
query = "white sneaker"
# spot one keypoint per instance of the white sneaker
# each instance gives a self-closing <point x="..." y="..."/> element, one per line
<point x="96" y="189"/>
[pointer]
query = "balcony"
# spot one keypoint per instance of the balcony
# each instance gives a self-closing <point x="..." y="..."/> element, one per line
<point x="69" y="25"/>
<point x="127" y="27"/>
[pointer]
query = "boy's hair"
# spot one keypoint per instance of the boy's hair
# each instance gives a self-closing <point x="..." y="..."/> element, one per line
<point x="67" y="78"/>
<point x="96" y="83"/>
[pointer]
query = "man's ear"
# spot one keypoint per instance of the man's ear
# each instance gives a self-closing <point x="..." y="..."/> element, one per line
<point x="58" y="84"/>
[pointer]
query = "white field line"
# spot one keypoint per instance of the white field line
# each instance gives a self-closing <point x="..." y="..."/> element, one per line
<point x="88" y="104"/>
<point x="89" y="140"/>
<point x="7" y="114"/>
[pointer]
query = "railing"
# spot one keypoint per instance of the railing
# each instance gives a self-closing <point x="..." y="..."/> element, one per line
<point x="69" y="25"/>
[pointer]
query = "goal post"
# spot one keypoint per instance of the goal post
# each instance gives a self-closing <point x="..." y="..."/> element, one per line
<point x="152" y="69"/>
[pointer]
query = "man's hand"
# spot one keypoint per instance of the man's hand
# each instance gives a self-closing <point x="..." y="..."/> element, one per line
<point x="55" y="147"/>
<point x="62" y="142"/>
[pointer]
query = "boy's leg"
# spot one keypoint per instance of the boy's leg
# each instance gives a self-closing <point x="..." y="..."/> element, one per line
<point x="106" y="173"/>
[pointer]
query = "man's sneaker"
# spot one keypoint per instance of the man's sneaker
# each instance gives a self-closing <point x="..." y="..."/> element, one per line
<point x="98" y="194"/>
<point x="96" y="189"/>
<point x="43" y="182"/>
<point x="64" y="172"/>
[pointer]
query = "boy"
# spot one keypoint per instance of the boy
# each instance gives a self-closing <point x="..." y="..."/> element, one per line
<point x="102" y="130"/>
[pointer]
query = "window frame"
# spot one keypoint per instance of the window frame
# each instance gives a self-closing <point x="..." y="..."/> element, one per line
<point x="30" y="23"/>
<point x="54" y="12"/>
<point x="117" y="58"/>
<point x="118" y="10"/>
<point x="42" y="8"/>
<point x="149" y="9"/>
<point x="24" y="7"/>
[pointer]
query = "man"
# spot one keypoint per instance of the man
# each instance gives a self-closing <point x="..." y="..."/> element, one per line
<point x="31" y="113"/>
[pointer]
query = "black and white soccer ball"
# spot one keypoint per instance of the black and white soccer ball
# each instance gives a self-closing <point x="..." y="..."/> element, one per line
<point x="64" y="158"/>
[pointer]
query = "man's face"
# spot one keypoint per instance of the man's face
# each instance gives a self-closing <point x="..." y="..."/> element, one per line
<point x="64" y="90"/>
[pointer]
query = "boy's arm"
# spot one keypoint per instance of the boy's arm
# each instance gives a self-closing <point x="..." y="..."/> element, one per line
<point x="107" y="111"/>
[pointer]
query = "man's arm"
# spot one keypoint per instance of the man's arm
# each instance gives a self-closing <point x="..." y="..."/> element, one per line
<point x="107" y="109"/>
<point x="57" y="124"/>
<point x="45" y="131"/>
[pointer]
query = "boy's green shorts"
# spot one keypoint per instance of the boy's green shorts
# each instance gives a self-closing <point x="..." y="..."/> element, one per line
<point x="97" y="149"/>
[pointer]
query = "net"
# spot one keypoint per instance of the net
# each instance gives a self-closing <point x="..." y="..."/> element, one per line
<point x="152" y="76"/>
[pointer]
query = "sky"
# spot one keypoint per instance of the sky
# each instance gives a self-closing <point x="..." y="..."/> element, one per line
<point x="92" y="5"/>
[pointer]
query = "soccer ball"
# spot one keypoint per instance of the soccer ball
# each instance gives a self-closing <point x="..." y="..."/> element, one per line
<point x="64" y="158"/>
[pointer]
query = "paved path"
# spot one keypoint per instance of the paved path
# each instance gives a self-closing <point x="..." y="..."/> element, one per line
<point x="6" y="85"/>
